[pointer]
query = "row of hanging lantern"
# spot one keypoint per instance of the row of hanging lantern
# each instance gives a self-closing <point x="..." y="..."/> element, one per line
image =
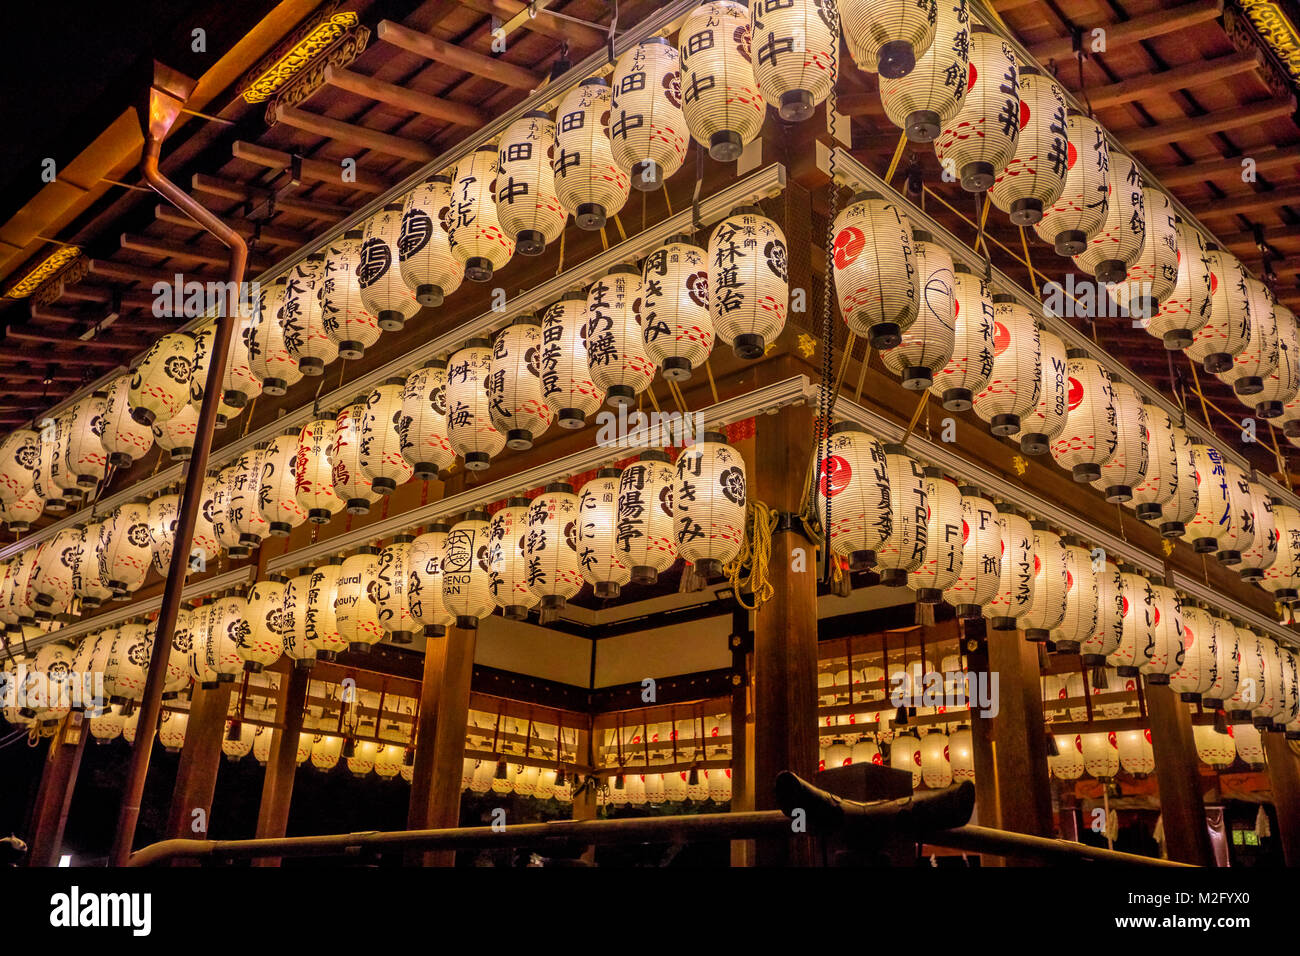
<point x="1103" y="754"/>
<point x="935" y="758"/>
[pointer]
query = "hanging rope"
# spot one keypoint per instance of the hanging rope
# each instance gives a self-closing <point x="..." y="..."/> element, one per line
<point x="749" y="569"/>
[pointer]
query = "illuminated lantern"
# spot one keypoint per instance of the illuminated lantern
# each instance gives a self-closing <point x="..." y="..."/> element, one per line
<point x="424" y="581"/>
<point x="469" y="425"/>
<point x="875" y="270"/>
<point x="176" y="435"/>
<point x="890" y="37"/>
<point x="1227" y="330"/>
<point x="928" y="344"/>
<point x="160" y="384"/>
<point x="566" y="379"/>
<point x="794" y="47"/>
<point x="388" y="760"/>
<point x="380" y="457"/>
<point x="390" y="595"/>
<point x="466" y="582"/>
<point x="87" y="581"/>
<point x="237" y="741"/>
<point x="178" y="672"/>
<point x="320" y="623"/>
<point x="1196" y="674"/>
<point x="51" y="579"/>
<point x="1160" y="481"/>
<point x="1249" y="743"/>
<point x="277" y="499"/>
<point x="599" y="554"/>
<point x="1083" y="595"/>
<point x="171" y="730"/>
<point x="968" y="371"/>
<point x="1214" y="518"/>
<point x="356" y="612"/>
<point x="225" y="530"/>
<point x="349" y="326"/>
<point x="1047" y="420"/>
<point x="936" y="771"/>
<point x="644" y="541"/>
<point x="1181" y="508"/>
<point x="1016" y="577"/>
<point x="242" y="498"/>
<point x="1068" y="763"/>
<point x="1258" y="359"/>
<point x="1013" y="387"/>
<point x="1213" y="748"/>
<point x="476" y="236"/>
<point x="1034" y="179"/>
<point x="262" y="744"/>
<point x="124" y="439"/>
<point x="239" y="385"/>
<point x="1080" y="211"/>
<point x="616" y="351"/>
<point x="326" y="750"/>
<point x="106" y="727"/>
<point x="226" y="629"/>
<point x="943" y="549"/>
<point x="1224" y="674"/>
<point x="588" y="180"/>
<point x="62" y="481"/>
<point x="709" y="497"/>
<point x="1280" y="385"/>
<point x="748" y="285"/>
<point x="53" y="668"/>
<point x="1138" y="602"/>
<point x="293" y="620"/>
<point x="507" y="560"/>
<point x="1135" y="753"/>
<point x="301" y="321"/>
<point x="1152" y="275"/>
<point x="647" y="130"/>
<point x="127" y="547"/>
<point x="262" y="642"/>
<point x="675" y="320"/>
<point x="1184" y="319"/>
<point x="384" y="293"/>
<point x="926" y="99"/>
<point x="1251" y="676"/>
<point x="201" y="625"/>
<point x="1127" y="465"/>
<point x="981" y="558"/>
<point x="19" y="456"/>
<point x="517" y="406"/>
<point x="553" y="572"/>
<point x="1282" y="577"/>
<point x="362" y="760"/>
<point x="981" y="139"/>
<point x="1047" y="603"/>
<point x="721" y="101"/>
<point x="904" y="547"/>
<point x="351" y="483"/>
<point x="422" y="424"/>
<point x="313" y="486"/>
<point x="1238" y="534"/>
<point x="1100" y="754"/>
<point x="19" y="514"/>
<point x="305" y="741"/>
<point x="1089" y="437"/>
<point x="48" y="453"/>
<point x="427" y="266"/>
<point x="961" y="754"/>
<point x="527" y="208"/>
<point x="1119" y="242"/>
<point x="1164" y="646"/>
<point x="19" y="599"/>
<point x="1273" y="700"/>
<point x="905" y="755"/>
<point x="268" y="357"/>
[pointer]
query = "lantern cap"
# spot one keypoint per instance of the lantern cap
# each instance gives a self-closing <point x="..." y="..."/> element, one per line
<point x="1076" y="354"/>
<point x="536" y="114"/>
<point x="893" y="448"/>
<point x="441" y="178"/>
<point x="970" y="491"/>
<point x="840" y="428"/>
<point x="353" y="234"/>
<point x="394" y="206"/>
<point x="654" y="454"/>
<point x="594" y="81"/>
<point x="624" y="268"/>
<point x="1039" y="525"/>
<point x="477" y="343"/>
<point x="609" y="472"/>
<point x="518" y="501"/>
<point x="1211" y="246"/>
<point x="277" y="577"/>
<point x="865" y="195"/>
<point x="528" y="318"/>
<point x="931" y="472"/>
<point x="571" y="296"/>
<point x="718" y="438"/>
<point x="1006" y="508"/>
<point x="367" y="549"/>
<point x="439" y="363"/>
<point x="1004" y="298"/>
<point x="487" y="148"/>
<point x="750" y="209"/>
<point x="980" y="28"/>
<point x="649" y="40"/>
<point x="333" y="559"/>
<point x="395" y="380"/>
<point x="558" y="487"/>
<point x="684" y="238"/>
<point x="316" y="257"/>
<point x="922" y="235"/>
<point x="1028" y="70"/>
<point x="403" y="538"/>
<point x="1072" y="111"/>
<point x="478" y="514"/>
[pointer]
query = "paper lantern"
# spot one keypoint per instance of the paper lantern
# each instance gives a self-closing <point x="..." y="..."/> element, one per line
<point x="1100" y="754"/>
<point x="876" y="280"/>
<point x="293" y="620"/>
<point x="968" y="371"/>
<point x="1016" y="575"/>
<point x="422" y="423"/>
<point x="262" y="643"/>
<point x="1272" y="699"/>
<point x="675" y="319"/>
<point x="616" y="350"/>
<point x="326" y="751"/>
<point x="978" y="581"/>
<point x="1127" y="466"/>
<point x="853" y="495"/>
<point x="1213" y="748"/>
<point x="237" y="742"/>
<point x="239" y="385"/>
<point x="384" y="293"/>
<point x="1034" y="179"/>
<point x="124" y="439"/>
<point x="508" y="562"/>
<point x="49" y="453"/>
<point x="268" y="357"/>
<point x="1224" y="671"/>
<point x="1249" y="743"/>
<point x="1164" y="647"/>
<point x="276" y="494"/>
<point x="348" y="324"/>
<point x="380" y="457"/>
<point x="1228" y="319"/>
<point x="127" y="547"/>
<point x="427" y="267"/>
<point x="600" y="558"/>
<point x="466" y="582"/>
<point x="301" y="321"/>
<point x="228" y="629"/>
<point x="475" y="235"/>
<point x="320" y="624"/>
<point x="305" y="741"/>
<point x="204" y="337"/>
<point x="565" y="378"/>
<point x="1079" y="213"/>
<point x="1012" y="392"/>
<point x="943" y="548"/>
<point x="356" y="610"/>
<point x="1251" y="685"/>
<point x="528" y="210"/>
<point x="19" y="514"/>
<point x="1047" y="420"/>
<point x="51" y="579"/>
<point x="1089" y="436"/>
<point x="242" y="497"/>
<point x="1138" y="602"/>
<point x="1152" y="275"/>
<point x="721" y="101"/>
<point x="176" y="436"/>
<point x="1282" y="577"/>
<point x="1214" y="515"/>
<point x="1068" y="763"/>
<point x="936" y="771"/>
<point x="262" y="739"/>
<point x="1119" y="242"/>
<point x="469" y="426"/>
<point x="1135" y="753"/>
<point x="392" y="578"/>
<point x="313" y="482"/>
<point x="106" y="727"/>
<point x="1283" y="382"/>
<point x="351" y="484"/>
<point x="1180" y="508"/>
<point x="1084" y="592"/>
<point x="929" y="342"/>
<point x="554" y="573"/>
<point x="178" y="673"/>
<point x="981" y="139"/>
<point x="19" y="456"/>
<point x="924" y="100"/>
<point x="200" y="670"/>
<point x="889" y="38"/>
<point x="54" y="682"/>
<point x="1196" y="674"/>
<point x="1159" y="483"/>
<point x="1238" y="532"/>
<point x="222" y="525"/>
<point x="905" y="755"/>
<point x="644" y="539"/>
<point x="748" y="285"/>
<point x="588" y="180"/>
<point x="1259" y="357"/>
<point x="1048" y="587"/>
<point x="904" y="547"/>
<point x="87" y="581"/>
<point x="424" y="581"/>
<point x="160" y="384"/>
<point x="20" y="598"/>
<point x="709" y="497"/>
<point x="1185" y="319"/>
<point x="794" y="47"/>
<point x="647" y="130"/>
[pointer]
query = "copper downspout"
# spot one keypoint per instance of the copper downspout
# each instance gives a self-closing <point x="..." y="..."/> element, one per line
<point x="166" y="99"/>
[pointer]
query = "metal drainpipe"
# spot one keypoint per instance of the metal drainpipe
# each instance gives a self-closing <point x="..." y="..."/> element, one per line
<point x="169" y="93"/>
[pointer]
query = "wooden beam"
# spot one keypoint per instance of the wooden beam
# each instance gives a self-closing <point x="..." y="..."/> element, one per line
<point x="1133" y="31"/>
<point x="449" y="735"/>
<point x="457" y="57"/>
<point x="39" y="358"/>
<point x="103" y="295"/>
<point x="1227" y="169"/>
<point x="352" y="135"/>
<point x="1187" y="839"/>
<point x="1251" y="202"/>
<point x="215" y="186"/>
<point x="128" y="272"/>
<point x="314" y="169"/>
<point x="458" y="114"/>
<point x="282" y="763"/>
<point x="272" y="235"/>
<point x="1284" y="777"/>
<point x="103" y="342"/>
<point x="1193" y="75"/>
<point x="1198" y="127"/>
<point x="207" y="253"/>
<point x="196" y="776"/>
<point x="58" y="779"/>
<point x="544" y="22"/>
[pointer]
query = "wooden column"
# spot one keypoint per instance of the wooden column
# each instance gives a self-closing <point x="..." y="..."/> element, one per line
<point x="58" y="779"/>
<point x="419" y="814"/>
<point x="742" y="733"/>
<point x="785" y="629"/>
<point x="1187" y="838"/>
<point x="196" y="776"/>
<point x="584" y="804"/>
<point x="282" y="764"/>
<point x="1284" y="776"/>
<point x="449" y="736"/>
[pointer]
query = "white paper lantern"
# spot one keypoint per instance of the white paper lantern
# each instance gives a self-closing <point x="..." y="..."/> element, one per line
<point x="239" y="385"/>
<point x="1227" y="329"/>
<point x="1138" y="601"/>
<point x="313" y="481"/>
<point x="1012" y="392"/>
<point x="904" y="548"/>
<point x="381" y="458"/>
<point x="1047" y="602"/>
<point x="1196" y="674"/>
<point x="889" y="38"/>
<point x="748" y="285"/>
<point x="276" y="494"/>
<point x="1068" y="763"/>
<point x="599" y="555"/>
<point x="709" y="497"/>
<point x="853" y="484"/>
<point x="422" y="424"/>
<point x="1251" y="686"/>
<point x="1135" y="753"/>
<point x="1185" y="315"/>
<point x="1152" y="275"/>
<point x="508" y="560"/>
<point x="1016" y="575"/>
<point x="424" y="581"/>
<point x="928" y="343"/>
<point x="647" y="130"/>
<point x="1259" y="357"/>
<point x="528" y="210"/>
<point x="1282" y="577"/>
<point x="176" y="436"/>
<point x="49" y="454"/>
<point x="905" y="755"/>
<point x="1282" y="384"/>
<point x="326" y="751"/>
<point x="1047" y="420"/>
<point x="127" y="547"/>
<point x="971" y="365"/>
<point x="876" y="281"/>
<point x="475" y="234"/>
<point x="242" y="498"/>
<point x="1101" y="754"/>
<point x="936" y="771"/>
<point x="226" y="626"/>
<point x="1213" y="748"/>
<point x="160" y="384"/>
<point x="924" y="100"/>
<point x="1224" y="673"/>
<point x="1119" y="242"/>
<point x="1164" y="647"/>
<point x="268" y="357"/>
<point x="51" y="579"/>
<point x="301" y="320"/>
<point x="565" y="377"/>
<point x="356" y="610"/>
<point x="348" y="324"/>
<point x="721" y="101"/>
<point x="794" y="47"/>
<point x="1127" y="466"/>
<point x="1159" y="483"/>
<point x="553" y="571"/>
<point x="644" y="539"/>
<point x="392" y="581"/>
<point x="981" y="139"/>
<point x="1078" y="215"/>
<point x="124" y="439"/>
<point x="1083" y="596"/>
<point x="943" y="549"/>
<point x="428" y="268"/>
<point x="1238" y="531"/>
<point x="87" y="581"/>
<point x="1214" y="516"/>
<point x="469" y="426"/>
<point x="466" y="582"/>
<point x="1089" y="437"/>
<point x="1034" y="179"/>
<point x="19" y="514"/>
<point x="320" y="622"/>
<point x="19" y="456"/>
<point x="351" y="484"/>
<point x="262" y="643"/>
<point x="616" y="350"/>
<point x="978" y="581"/>
<point x="588" y="181"/>
<point x="384" y="293"/>
<point x="675" y="320"/>
<point x="293" y="620"/>
<point x="222" y="525"/>
<point x="1181" y="508"/>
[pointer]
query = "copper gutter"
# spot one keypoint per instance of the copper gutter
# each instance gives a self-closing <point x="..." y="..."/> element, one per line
<point x="167" y="98"/>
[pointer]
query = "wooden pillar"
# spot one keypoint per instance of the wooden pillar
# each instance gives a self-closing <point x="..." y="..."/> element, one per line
<point x="62" y="762"/>
<point x="1187" y="838"/>
<point x="742" y="735"/>
<point x="449" y="736"/>
<point x="282" y="764"/>
<point x="785" y="629"/>
<point x="585" y="805"/>
<point x="1284" y="776"/>
<point x="419" y="815"/>
<point x="1013" y="790"/>
<point x="196" y="776"/>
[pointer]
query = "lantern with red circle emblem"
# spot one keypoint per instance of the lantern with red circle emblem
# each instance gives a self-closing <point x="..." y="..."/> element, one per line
<point x="1082" y="598"/>
<point x="982" y="137"/>
<point x="1088" y="438"/>
<point x="1012" y="392"/>
<point x="875" y="269"/>
<point x="981" y="559"/>
<point x="1034" y="178"/>
<point x="1080" y="211"/>
<point x="968" y="371"/>
<point x="928" y="343"/>
<point x="1046" y="608"/>
<point x="1016" y="575"/>
<point x="1227" y="327"/>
